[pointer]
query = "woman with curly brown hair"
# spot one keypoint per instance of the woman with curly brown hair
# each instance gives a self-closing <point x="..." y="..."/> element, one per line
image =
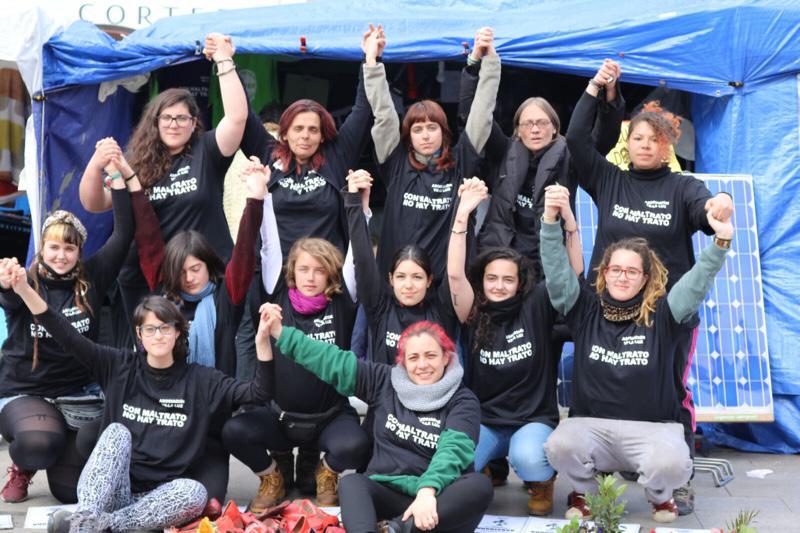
<point x="628" y="330"/>
<point x="510" y="363"/>
<point x="180" y="165"/>
<point x="317" y="295"/>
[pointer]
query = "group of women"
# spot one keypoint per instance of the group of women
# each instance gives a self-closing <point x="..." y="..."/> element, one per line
<point x="462" y="360"/>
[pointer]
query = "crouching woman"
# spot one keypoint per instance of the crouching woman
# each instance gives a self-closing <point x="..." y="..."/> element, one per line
<point x="628" y="330"/>
<point x="156" y="418"/>
<point x="425" y="428"/>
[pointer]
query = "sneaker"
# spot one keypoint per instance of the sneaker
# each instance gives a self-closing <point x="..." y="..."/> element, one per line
<point x="327" y="485"/>
<point x="305" y="469"/>
<point x="395" y="525"/>
<point x="16" y="488"/>
<point x="664" y="512"/>
<point x="285" y="462"/>
<point x="58" y="522"/>
<point x="540" y="502"/>
<point x="684" y="499"/>
<point x="576" y="507"/>
<point x="270" y="492"/>
<point x="87" y="522"/>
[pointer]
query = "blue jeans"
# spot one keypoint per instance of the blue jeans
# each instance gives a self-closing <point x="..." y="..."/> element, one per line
<point x="523" y="445"/>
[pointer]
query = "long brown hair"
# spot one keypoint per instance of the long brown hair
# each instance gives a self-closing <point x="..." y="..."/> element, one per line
<point x="652" y="267"/>
<point x="67" y="233"/>
<point x="327" y="254"/>
<point x="147" y="153"/>
<point x="179" y="247"/>
<point x="420" y="112"/>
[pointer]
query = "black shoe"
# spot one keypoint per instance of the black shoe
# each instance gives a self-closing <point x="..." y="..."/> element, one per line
<point x="684" y="499"/>
<point x="395" y="525"/>
<point x="498" y="468"/>
<point x="285" y="462"/>
<point x="305" y="471"/>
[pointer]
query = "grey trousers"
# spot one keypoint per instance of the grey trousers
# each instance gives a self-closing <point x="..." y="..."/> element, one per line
<point x="581" y="447"/>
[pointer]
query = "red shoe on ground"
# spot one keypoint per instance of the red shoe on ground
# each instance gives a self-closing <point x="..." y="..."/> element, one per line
<point x="664" y="512"/>
<point x="576" y="507"/>
<point x="16" y="488"/>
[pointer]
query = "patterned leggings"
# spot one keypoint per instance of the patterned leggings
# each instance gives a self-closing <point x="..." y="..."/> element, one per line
<point x="105" y="488"/>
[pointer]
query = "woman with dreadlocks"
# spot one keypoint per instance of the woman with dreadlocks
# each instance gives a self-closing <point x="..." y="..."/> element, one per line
<point x="35" y="372"/>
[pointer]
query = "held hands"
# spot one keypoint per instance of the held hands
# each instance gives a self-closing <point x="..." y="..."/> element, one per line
<point x="472" y="192"/>
<point x="7" y="267"/>
<point x="17" y="276"/>
<point x="556" y="203"/>
<point x="720" y="207"/>
<point x="218" y="47"/>
<point x="423" y="509"/>
<point x="608" y="74"/>
<point x="105" y="151"/>
<point x="360" y="180"/>
<point x="270" y="322"/>
<point x="722" y="228"/>
<point x="372" y="44"/>
<point x="484" y="43"/>
<point x="256" y="176"/>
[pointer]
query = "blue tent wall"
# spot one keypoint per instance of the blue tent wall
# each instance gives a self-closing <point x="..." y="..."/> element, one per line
<point x="740" y="59"/>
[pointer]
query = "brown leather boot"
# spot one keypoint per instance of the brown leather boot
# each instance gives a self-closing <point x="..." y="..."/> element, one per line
<point x="327" y="485"/>
<point x="540" y="502"/>
<point x="270" y="492"/>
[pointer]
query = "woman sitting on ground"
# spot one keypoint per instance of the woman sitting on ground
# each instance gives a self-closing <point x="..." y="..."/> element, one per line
<point x="425" y="427"/>
<point x="408" y="297"/>
<point x="157" y="414"/>
<point x="34" y="369"/>
<point x="628" y="330"/>
<point x="511" y="365"/>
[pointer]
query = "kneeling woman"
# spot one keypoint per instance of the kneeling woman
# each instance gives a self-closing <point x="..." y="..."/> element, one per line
<point x="628" y="331"/>
<point x="511" y="363"/>
<point x="157" y="414"/>
<point x="425" y="428"/>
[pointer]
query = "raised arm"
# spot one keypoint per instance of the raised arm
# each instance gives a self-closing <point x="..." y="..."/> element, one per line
<point x="240" y="269"/>
<point x="472" y="192"/>
<point x="689" y="292"/>
<point x="592" y="166"/>
<point x="386" y="128"/>
<point x="356" y="203"/>
<point x="228" y="133"/>
<point x="561" y="280"/>
<point x="94" y="197"/>
<point x="480" y="120"/>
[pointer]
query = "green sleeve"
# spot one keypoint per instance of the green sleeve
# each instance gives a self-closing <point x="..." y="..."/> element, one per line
<point x="329" y="362"/>
<point x="689" y="292"/>
<point x="455" y="451"/>
<point x="562" y="283"/>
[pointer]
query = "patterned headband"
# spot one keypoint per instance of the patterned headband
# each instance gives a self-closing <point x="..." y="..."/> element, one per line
<point x="65" y="217"/>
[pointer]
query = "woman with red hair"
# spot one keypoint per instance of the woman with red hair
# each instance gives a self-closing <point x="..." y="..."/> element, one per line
<point x="420" y="165"/>
<point x="425" y="428"/>
<point x="309" y="160"/>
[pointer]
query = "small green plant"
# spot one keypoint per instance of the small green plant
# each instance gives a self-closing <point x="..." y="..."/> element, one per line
<point x="741" y="524"/>
<point x="606" y="506"/>
<point x="575" y="526"/>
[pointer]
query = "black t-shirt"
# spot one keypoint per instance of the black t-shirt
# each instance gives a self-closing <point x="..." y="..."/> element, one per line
<point x="307" y="203"/>
<point x="405" y="440"/>
<point x="297" y="389"/>
<point x="386" y="317"/>
<point x="420" y="205"/>
<point x="664" y="207"/>
<point x="621" y="370"/>
<point x="526" y="216"/>
<point x="168" y="411"/>
<point x="514" y="376"/>
<point x="58" y="372"/>
<point x="189" y="197"/>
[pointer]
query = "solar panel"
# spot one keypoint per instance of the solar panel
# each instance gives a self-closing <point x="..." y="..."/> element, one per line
<point x="729" y="378"/>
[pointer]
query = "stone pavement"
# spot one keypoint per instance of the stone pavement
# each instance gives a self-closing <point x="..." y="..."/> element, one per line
<point x="776" y="497"/>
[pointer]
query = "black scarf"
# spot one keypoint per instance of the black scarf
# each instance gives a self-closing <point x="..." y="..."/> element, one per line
<point x="46" y="272"/>
<point x="502" y="311"/>
<point x="617" y="311"/>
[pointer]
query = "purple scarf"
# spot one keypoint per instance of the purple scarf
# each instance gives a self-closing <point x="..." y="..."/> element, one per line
<point x="307" y="305"/>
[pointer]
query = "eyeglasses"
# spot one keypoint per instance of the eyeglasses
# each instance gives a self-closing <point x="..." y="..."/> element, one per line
<point x="631" y="273"/>
<point x="542" y="123"/>
<point x="181" y="120"/>
<point x="166" y="330"/>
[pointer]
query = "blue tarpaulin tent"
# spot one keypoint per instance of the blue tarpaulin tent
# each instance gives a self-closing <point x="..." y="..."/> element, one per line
<point x="740" y="60"/>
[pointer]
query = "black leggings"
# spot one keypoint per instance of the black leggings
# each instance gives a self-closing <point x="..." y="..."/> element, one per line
<point x="249" y="435"/>
<point x="460" y="505"/>
<point x="39" y="439"/>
